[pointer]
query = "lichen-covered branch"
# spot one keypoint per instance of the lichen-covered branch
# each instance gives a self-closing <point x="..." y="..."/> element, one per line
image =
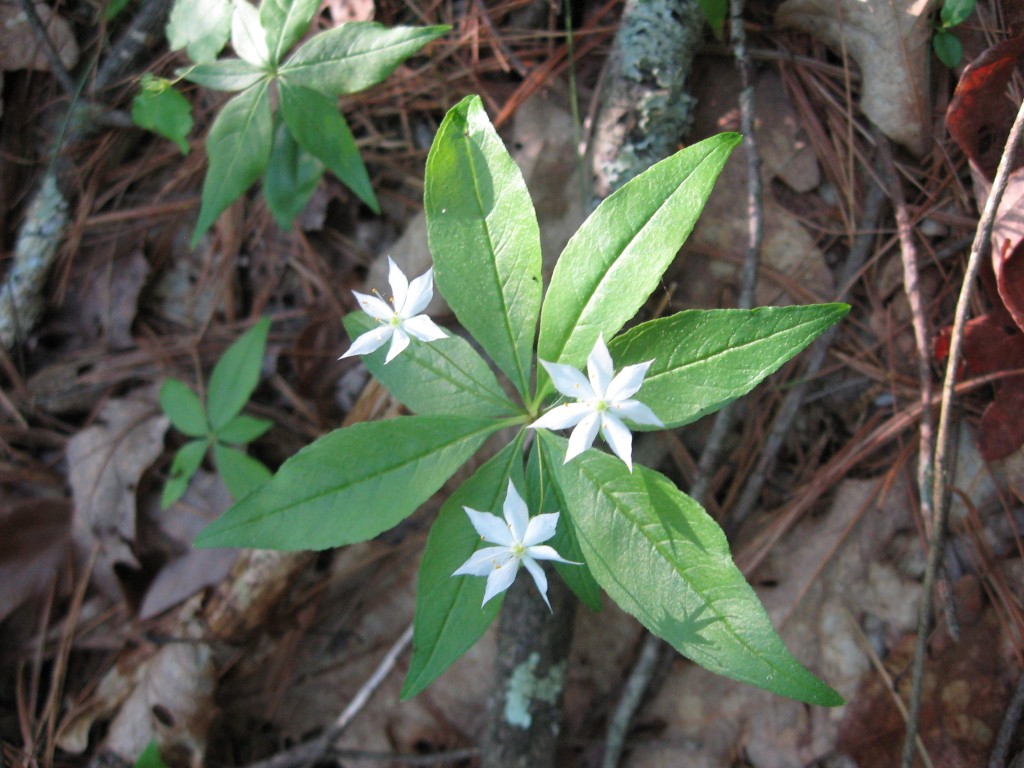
<point x="645" y="107"/>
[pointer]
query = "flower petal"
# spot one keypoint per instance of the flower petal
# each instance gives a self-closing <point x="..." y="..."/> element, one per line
<point x="423" y="328"/>
<point x="421" y="291"/>
<point x="490" y="527"/>
<point x="599" y="369"/>
<point x="399" y="286"/>
<point x="563" y="416"/>
<point x="627" y="382"/>
<point x="370" y="341"/>
<point x="618" y="437"/>
<point x="374" y="306"/>
<point x="500" y="579"/>
<point x="569" y="381"/>
<point x="538" y="578"/>
<point x="544" y="552"/>
<point x="399" y="341"/>
<point x="485" y="560"/>
<point x="636" y="412"/>
<point x="582" y="437"/>
<point x="516" y="514"/>
<point x="541" y="528"/>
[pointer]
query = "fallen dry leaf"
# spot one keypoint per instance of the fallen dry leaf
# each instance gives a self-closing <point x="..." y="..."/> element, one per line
<point x="992" y="343"/>
<point x="34" y="539"/>
<point x="189" y="570"/>
<point x="891" y="42"/>
<point x="966" y="689"/>
<point x="979" y="114"/>
<point x="172" y="705"/>
<point x="105" y="463"/>
<point x="19" y="47"/>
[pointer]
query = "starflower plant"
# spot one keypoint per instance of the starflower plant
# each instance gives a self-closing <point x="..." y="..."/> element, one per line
<point x="602" y="402"/>
<point x="401" y="318"/>
<point x="519" y="542"/>
<point x="600" y="521"/>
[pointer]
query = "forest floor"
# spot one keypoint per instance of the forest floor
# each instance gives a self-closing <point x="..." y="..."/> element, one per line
<point x="97" y="583"/>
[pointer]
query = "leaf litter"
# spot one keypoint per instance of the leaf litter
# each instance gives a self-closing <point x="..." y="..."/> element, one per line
<point x="835" y="550"/>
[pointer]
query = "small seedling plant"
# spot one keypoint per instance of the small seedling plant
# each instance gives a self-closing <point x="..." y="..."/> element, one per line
<point x="601" y="521"/>
<point x="290" y="146"/>
<point x="945" y="43"/>
<point x="219" y="426"/>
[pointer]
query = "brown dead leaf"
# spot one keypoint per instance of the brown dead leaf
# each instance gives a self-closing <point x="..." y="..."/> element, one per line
<point x="34" y="538"/>
<point x="965" y="692"/>
<point x="106" y="462"/>
<point x="172" y="705"/>
<point x="19" y="47"/>
<point x="891" y="42"/>
<point x="189" y="570"/>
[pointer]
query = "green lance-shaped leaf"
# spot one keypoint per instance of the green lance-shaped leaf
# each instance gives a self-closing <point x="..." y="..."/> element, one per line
<point x="484" y="237"/>
<point x="292" y="176"/>
<point x="285" y="21"/>
<point x="247" y="35"/>
<point x="660" y="556"/>
<point x="224" y="74"/>
<point x="351" y="484"/>
<point x="616" y="259"/>
<point x="183" y="407"/>
<point x="704" y="359"/>
<point x="238" y="148"/>
<point x="243" y="429"/>
<point x="449" y="617"/>
<point x="241" y="473"/>
<point x="443" y="376"/>
<point x="200" y="26"/>
<point x="186" y="462"/>
<point x="543" y="497"/>
<point x="354" y="55"/>
<point x="320" y="129"/>
<point x="236" y="374"/>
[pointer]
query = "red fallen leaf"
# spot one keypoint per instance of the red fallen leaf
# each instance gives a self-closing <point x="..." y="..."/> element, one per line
<point x="992" y="344"/>
<point x="1001" y="431"/>
<point x="1008" y="247"/>
<point x="979" y="114"/>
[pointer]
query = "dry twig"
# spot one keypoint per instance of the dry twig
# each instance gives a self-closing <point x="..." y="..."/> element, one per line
<point x="310" y="752"/>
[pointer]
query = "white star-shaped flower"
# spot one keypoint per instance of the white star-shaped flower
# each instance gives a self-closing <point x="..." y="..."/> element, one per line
<point x="601" y="404"/>
<point x="400" y="319"/>
<point x="518" y="541"/>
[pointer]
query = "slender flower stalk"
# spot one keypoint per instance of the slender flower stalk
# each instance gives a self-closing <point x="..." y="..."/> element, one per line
<point x="519" y="543"/>
<point x="400" y="319"/>
<point x="602" y="401"/>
